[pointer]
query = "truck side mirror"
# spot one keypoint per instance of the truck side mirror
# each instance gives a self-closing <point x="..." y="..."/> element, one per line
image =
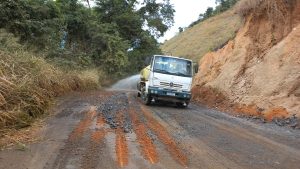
<point x="196" y="67"/>
<point x="147" y="61"/>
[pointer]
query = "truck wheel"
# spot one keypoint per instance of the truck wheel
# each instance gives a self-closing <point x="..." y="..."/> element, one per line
<point x="182" y="105"/>
<point x="146" y="99"/>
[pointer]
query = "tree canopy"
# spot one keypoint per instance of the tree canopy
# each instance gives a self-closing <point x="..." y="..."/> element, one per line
<point x="113" y="34"/>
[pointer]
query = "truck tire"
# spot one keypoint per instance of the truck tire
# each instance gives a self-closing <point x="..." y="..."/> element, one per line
<point x="146" y="99"/>
<point x="182" y="105"/>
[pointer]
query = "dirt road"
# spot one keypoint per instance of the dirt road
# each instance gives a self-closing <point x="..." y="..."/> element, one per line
<point x="112" y="129"/>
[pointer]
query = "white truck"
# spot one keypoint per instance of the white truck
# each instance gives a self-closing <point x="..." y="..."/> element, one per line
<point x="167" y="78"/>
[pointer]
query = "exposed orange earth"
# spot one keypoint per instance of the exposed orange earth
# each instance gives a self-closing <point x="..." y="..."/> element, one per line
<point x="257" y="73"/>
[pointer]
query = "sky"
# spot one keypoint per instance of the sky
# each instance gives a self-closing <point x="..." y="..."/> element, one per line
<point x="187" y="11"/>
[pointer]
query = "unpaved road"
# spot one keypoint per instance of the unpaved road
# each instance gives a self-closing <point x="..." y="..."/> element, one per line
<point x="112" y="129"/>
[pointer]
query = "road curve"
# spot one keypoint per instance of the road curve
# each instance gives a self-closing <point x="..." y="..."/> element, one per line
<point x="113" y="129"/>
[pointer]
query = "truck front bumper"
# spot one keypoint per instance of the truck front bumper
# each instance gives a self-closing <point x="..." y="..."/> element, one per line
<point x="168" y="93"/>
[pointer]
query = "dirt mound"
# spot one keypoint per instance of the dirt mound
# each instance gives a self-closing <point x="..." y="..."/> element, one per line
<point x="259" y="71"/>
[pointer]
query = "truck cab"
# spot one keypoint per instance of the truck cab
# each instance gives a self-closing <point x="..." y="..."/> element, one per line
<point x="167" y="78"/>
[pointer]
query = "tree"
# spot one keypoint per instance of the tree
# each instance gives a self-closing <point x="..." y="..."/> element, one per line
<point x="88" y="2"/>
<point x="130" y="23"/>
<point x="180" y="29"/>
<point x="157" y="16"/>
<point x="208" y="13"/>
<point x="35" y="22"/>
<point x="222" y="5"/>
<point x="109" y="35"/>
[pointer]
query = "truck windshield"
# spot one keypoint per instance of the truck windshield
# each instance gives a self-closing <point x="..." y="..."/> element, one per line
<point x="173" y="66"/>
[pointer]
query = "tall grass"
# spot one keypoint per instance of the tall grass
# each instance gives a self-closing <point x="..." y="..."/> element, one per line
<point x="28" y="83"/>
<point x="204" y="37"/>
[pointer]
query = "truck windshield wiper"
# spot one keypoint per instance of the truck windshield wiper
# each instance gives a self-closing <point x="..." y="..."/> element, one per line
<point x="167" y="72"/>
<point x="162" y="71"/>
<point x="181" y="74"/>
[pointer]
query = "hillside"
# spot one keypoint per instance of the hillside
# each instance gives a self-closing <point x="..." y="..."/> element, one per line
<point x="257" y="73"/>
<point x="206" y="36"/>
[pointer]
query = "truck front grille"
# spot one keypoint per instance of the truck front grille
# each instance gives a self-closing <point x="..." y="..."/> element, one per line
<point x="165" y="84"/>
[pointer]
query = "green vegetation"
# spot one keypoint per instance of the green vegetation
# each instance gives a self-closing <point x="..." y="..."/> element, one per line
<point x="28" y="83"/>
<point x="50" y="47"/>
<point x="222" y="6"/>
<point x="204" y="37"/>
<point x="109" y="35"/>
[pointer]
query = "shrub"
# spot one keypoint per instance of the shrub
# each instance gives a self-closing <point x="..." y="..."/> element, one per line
<point x="275" y="9"/>
<point x="243" y="7"/>
<point x="28" y="83"/>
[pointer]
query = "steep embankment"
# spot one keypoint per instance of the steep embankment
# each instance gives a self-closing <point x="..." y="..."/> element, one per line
<point x="206" y="36"/>
<point x="258" y="72"/>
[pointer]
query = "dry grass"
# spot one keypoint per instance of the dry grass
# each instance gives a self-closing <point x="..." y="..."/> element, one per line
<point x="28" y="83"/>
<point x="204" y="37"/>
<point x="274" y="8"/>
<point x="21" y="137"/>
<point x="244" y="7"/>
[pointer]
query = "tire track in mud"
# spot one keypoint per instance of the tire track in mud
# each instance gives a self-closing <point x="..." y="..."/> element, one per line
<point x="115" y="113"/>
<point x="147" y="147"/>
<point x="121" y="148"/>
<point x="100" y="136"/>
<point x="96" y="145"/>
<point x="150" y="124"/>
<point x="121" y="143"/>
<point x="111" y="112"/>
<point x="118" y="113"/>
<point x="84" y="124"/>
<point x="100" y="121"/>
<point x="75" y="140"/>
<point x="164" y="137"/>
<point x="76" y="144"/>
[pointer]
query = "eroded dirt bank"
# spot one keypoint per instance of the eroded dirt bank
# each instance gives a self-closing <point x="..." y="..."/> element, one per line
<point x="257" y="73"/>
<point x="112" y="129"/>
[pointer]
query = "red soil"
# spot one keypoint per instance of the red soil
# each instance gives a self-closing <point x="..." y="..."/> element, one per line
<point x="165" y="137"/>
<point x="121" y="148"/>
<point x="279" y="112"/>
<point x="121" y="144"/>
<point x="84" y="124"/>
<point x="148" y="148"/>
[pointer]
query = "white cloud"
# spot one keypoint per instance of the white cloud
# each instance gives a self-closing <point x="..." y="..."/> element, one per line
<point x="187" y="11"/>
